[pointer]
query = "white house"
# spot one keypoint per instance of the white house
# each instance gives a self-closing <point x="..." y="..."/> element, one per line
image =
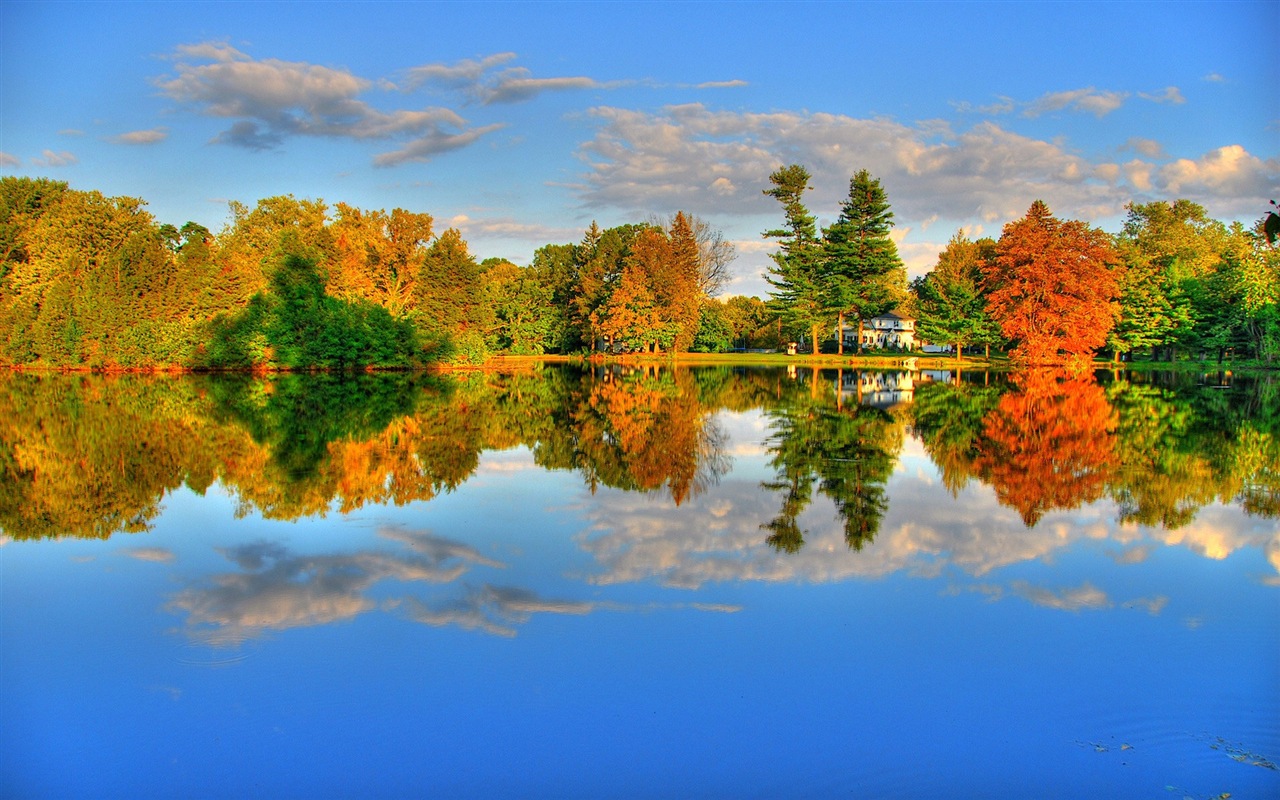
<point x="883" y="332"/>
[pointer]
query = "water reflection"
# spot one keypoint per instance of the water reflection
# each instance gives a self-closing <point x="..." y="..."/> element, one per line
<point x="846" y="452"/>
<point x="90" y="456"/>
<point x="498" y="555"/>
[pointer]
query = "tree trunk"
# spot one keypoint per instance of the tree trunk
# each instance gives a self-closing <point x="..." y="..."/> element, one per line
<point x="840" y="334"/>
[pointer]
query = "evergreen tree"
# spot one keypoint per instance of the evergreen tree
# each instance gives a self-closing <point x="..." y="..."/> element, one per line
<point x="448" y="295"/>
<point x="865" y="276"/>
<point x="800" y="288"/>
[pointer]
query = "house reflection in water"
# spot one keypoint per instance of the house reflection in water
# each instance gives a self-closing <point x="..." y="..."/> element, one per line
<point x="884" y="390"/>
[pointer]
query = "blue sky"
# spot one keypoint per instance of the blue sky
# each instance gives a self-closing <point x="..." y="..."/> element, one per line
<point x="520" y="123"/>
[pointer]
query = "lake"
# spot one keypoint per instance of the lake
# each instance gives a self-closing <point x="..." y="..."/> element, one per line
<point x="640" y="582"/>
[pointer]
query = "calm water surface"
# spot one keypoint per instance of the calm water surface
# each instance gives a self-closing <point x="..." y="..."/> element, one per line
<point x="640" y="583"/>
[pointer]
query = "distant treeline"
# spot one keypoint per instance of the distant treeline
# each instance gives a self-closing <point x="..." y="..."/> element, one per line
<point x="1048" y="290"/>
<point x="89" y="281"/>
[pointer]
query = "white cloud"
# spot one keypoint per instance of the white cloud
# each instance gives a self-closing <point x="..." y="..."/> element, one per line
<point x="49" y="158"/>
<point x="152" y="136"/>
<point x="517" y="84"/>
<point x="271" y="100"/>
<point x="721" y="84"/>
<point x="9" y="160"/>
<point x="1138" y="173"/>
<point x="433" y="144"/>
<point x="1170" y="94"/>
<point x="276" y="589"/>
<point x="508" y="228"/>
<point x="716" y="162"/>
<point x="1214" y="77"/>
<point x="1090" y="100"/>
<point x="156" y="554"/>
<point x="493" y="609"/>
<point x="481" y="81"/>
<point x="1229" y="170"/>
<point x="462" y="74"/>
<point x="1147" y="147"/>
<point x="1003" y="105"/>
<point x="1085" y="596"/>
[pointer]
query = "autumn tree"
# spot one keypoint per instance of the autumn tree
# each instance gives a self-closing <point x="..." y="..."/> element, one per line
<point x="599" y="262"/>
<point x="655" y="304"/>
<point x="378" y="256"/>
<point x="800" y="290"/>
<point x="250" y="244"/>
<point x="715" y="253"/>
<point x="1052" y="287"/>
<point x="679" y="283"/>
<point x="864" y="274"/>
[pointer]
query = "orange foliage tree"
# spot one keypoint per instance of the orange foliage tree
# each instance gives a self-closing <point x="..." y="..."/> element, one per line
<point x="1053" y="287"/>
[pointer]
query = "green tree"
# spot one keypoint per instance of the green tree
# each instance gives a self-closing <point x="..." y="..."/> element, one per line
<point x="555" y="268"/>
<point x="754" y="324"/>
<point x="522" y="310"/>
<point x="951" y="302"/>
<point x="864" y="274"/>
<point x="448" y="297"/>
<point x="715" y="334"/>
<point x="800" y="287"/>
<point x="1169" y="252"/>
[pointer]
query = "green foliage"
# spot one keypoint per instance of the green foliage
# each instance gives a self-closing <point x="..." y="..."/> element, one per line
<point x="298" y="416"/>
<point x="865" y="276"/>
<point x="298" y="326"/>
<point x="754" y="325"/>
<point x="524" y="317"/>
<point x="92" y="455"/>
<point x="715" y="335"/>
<point x="801" y="291"/>
<point x="88" y="281"/>
<point x="845" y="453"/>
<point x="951" y="300"/>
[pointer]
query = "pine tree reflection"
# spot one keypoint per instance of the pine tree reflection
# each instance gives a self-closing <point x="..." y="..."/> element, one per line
<point x="848" y="451"/>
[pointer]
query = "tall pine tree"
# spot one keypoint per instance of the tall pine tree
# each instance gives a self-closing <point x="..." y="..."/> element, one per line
<point x="799" y="292"/>
<point x="866" y="276"/>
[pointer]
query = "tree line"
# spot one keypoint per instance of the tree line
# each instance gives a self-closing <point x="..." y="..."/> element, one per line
<point x="96" y="282"/>
<point x="1172" y="281"/>
<point x="91" y="281"/>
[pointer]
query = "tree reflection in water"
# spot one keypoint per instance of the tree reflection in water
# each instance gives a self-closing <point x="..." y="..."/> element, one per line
<point x="847" y="451"/>
<point x="1048" y="444"/>
<point x="91" y="455"/>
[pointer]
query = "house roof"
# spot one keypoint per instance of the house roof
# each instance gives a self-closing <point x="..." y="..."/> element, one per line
<point x="892" y="315"/>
